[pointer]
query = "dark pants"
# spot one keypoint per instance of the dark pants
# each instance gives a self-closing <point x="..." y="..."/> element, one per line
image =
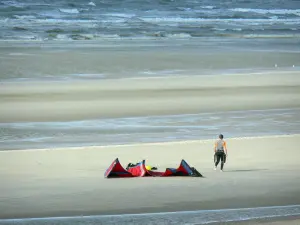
<point x="220" y="156"/>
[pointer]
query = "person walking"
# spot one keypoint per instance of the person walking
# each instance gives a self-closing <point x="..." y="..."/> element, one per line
<point x="220" y="152"/>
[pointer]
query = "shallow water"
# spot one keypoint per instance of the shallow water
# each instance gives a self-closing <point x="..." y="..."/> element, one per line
<point x="173" y="218"/>
<point x="97" y="60"/>
<point x="28" y="135"/>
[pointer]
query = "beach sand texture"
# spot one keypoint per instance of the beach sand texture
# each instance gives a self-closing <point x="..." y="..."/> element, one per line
<point x="85" y="82"/>
<point x="65" y="101"/>
<point x="262" y="171"/>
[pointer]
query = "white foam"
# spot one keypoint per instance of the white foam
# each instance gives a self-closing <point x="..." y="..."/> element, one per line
<point x="13" y="3"/>
<point x="63" y="21"/>
<point x="107" y="36"/>
<point x="123" y="15"/>
<point x="181" y="35"/>
<point x="271" y="36"/>
<point x="270" y="11"/>
<point x="86" y="75"/>
<point x="164" y="72"/>
<point x="92" y="4"/>
<point x="70" y="11"/>
<point x="29" y="37"/>
<point x="24" y="17"/>
<point x="19" y="54"/>
<point x="208" y="7"/>
<point x="220" y="29"/>
<point x="205" y="20"/>
<point x="62" y="37"/>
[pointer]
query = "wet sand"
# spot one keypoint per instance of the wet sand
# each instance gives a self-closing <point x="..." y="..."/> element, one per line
<point x="65" y="101"/>
<point x="262" y="171"/>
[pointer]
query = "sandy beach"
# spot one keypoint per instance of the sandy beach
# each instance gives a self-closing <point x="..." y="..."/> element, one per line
<point x="53" y="182"/>
<point x="262" y="171"/>
<point x="85" y="82"/>
<point x="65" y="101"/>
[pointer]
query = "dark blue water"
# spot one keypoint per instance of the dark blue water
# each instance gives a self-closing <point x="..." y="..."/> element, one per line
<point x="85" y="20"/>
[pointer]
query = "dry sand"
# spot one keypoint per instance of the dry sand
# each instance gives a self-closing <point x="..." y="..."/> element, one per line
<point x="262" y="171"/>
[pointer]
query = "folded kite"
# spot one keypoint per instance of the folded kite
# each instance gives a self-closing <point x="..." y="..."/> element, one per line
<point x="116" y="170"/>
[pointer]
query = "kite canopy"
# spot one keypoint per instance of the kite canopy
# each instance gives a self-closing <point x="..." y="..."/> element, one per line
<point x="139" y="170"/>
<point x="116" y="170"/>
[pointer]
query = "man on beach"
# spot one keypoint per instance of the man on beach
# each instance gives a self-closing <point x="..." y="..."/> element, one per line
<point x="220" y="152"/>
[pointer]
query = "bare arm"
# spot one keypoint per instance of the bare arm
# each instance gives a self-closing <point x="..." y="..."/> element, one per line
<point x="225" y="147"/>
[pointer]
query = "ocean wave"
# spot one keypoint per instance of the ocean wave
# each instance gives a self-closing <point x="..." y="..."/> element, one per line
<point x="70" y="11"/>
<point x="271" y="36"/>
<point x="23" y="4"/>
<point x="269" y="11"/>
<point x="9" y="9"/>
<point x="28" y="37"/>
<point x="87" y="76"/>
<point x="60" y="37"/>
<point x="13" y="3"/>
<point x="20" y="54"/>
<point x="107" y="36"/>
<point x="91" y="4"/>
<point x="208" y="7"/>
<point x="122" y="15"/>
<point x="161" y="72"/>
<point x="76" y="37"/>
<point x="24" y="17"/>
<point x="82" y="36"/>
<point x="55" y="30"/>
<point x="213" y="20"/>
<point x="89" y="22"/>
<point x="257" y="36"/>
<point x="50" y="14"/>
<point x="83" y="33"/>
<point x="161" y="35"/>
<point x="253" y="29"/>
<point x="64" y="21"/>
<point x="93" y="36"/>
<point x="219" y="29"/>
<point x="20" y="29"/>
<point x="180" y="35"/>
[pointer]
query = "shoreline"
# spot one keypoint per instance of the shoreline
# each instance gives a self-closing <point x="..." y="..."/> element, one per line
<point x="200" y="141"/>
<point x="276" y="220"/>
<point x="213" y="74"/>
<point x="269" y="77"/>
<point x="234" y="216"/>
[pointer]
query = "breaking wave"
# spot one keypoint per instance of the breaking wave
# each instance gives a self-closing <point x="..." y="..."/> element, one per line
<point x="131" y="18"/>
<point x="71" y="11"/>
<point x="270" y="11"/>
